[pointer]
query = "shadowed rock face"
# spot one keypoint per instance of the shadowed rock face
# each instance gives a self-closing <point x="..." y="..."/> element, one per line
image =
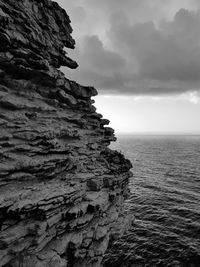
<point x="61" y="188"/>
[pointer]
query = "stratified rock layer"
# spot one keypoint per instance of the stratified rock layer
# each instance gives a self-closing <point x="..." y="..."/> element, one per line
<point x="61" y="188"/>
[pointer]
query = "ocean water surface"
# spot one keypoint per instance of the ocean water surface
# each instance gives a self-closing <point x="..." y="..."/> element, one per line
<point x="165" y="200"/>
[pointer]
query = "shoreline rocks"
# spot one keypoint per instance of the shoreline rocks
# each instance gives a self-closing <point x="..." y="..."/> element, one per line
<point x="62" y="189"/>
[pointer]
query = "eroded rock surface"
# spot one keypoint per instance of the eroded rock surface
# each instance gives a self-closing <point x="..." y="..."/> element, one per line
<point x="61" y="188"/>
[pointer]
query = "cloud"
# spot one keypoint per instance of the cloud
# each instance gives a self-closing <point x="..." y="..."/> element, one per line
<point x="97" y="64"/>
<point x="169" y="53"/>
<point x="137" y="47"/>
<point x="193" y="97"/>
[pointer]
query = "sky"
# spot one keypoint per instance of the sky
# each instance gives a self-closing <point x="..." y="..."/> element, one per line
<point x="143" y="56"/>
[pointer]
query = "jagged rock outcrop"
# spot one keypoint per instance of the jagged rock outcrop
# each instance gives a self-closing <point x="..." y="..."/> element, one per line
<point x="61" y="188"/>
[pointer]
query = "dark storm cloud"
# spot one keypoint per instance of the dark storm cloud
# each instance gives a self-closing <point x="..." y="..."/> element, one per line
<point x="169" y="53"/>
<point x="102" y="60"/>
<point x="151" y="57"/>
<point x="99" y="65"/>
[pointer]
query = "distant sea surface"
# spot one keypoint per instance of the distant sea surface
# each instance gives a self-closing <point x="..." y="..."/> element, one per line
<point x="165" y="200"/>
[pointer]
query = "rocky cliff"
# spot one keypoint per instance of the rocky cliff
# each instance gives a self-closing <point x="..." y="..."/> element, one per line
<point x="61" y="188"/>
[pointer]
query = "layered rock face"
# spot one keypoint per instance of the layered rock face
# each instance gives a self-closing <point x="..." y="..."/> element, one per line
<point x="61" y="188"/>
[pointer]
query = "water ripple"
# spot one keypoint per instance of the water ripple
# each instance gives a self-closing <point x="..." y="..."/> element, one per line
<point x="165" y="200"/>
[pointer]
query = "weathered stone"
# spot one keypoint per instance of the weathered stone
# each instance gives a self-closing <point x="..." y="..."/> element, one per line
<point x="66" y="98"/>
<point x="61" y="188"/>
<point x="95" y="184"/>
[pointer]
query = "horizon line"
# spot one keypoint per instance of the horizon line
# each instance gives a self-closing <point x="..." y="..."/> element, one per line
<point x="157" y="133"/>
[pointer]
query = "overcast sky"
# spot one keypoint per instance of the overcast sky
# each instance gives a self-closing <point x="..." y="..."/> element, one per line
<point x="143" y="56"/>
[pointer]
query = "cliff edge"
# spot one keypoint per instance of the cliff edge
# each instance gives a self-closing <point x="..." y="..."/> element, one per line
<point x="61" y="188"/>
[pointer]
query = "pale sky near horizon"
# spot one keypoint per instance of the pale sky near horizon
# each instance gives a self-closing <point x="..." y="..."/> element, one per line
<point x="143" y="56"/>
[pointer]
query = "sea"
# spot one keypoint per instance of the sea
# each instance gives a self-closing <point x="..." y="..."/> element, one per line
<point x="165" y="201"/>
